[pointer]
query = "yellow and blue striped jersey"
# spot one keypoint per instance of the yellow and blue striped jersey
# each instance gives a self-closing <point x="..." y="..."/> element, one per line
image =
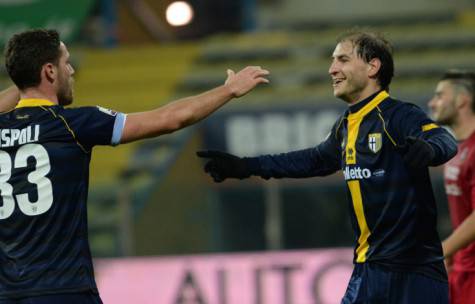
<point x="392" y="207"/>
<point x="45" y="151"/>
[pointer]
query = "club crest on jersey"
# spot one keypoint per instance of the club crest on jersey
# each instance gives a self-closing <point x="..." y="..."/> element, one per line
<point x="375" y="142"/>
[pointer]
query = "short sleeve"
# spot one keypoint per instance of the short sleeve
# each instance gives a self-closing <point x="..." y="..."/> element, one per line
<point x="95" y="125"/>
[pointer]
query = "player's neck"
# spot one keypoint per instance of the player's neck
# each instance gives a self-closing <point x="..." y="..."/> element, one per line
<point x="369" y="90"/>
<point x="464" y="126"/>
<point x="39" y="93"/>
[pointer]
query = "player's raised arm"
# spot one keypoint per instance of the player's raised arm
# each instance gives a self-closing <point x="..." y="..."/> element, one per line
<point x="187" y="111"/>
<point x="9" y="98"/>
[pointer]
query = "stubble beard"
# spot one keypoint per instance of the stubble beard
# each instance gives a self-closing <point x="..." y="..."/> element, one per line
<point x="448" y="120"/>
<point x="65" y="92"/>
<point x="447" y="117"/>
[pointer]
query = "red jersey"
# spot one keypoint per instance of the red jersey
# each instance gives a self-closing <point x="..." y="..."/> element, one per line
<point x="459" y="178"/>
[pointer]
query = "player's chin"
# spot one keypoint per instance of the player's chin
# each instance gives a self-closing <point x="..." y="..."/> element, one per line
<point x="436" y="118"/>
<point x="337" y="92"/>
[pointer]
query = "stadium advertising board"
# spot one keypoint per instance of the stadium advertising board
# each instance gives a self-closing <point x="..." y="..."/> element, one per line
<point x="253" y="132"/>
<point x="293" y="277"/>
<point x="64" y="16"/>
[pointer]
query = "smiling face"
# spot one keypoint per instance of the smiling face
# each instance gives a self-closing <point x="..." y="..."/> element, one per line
<point x="65" y="78"/>
<point x="350" y="74"/>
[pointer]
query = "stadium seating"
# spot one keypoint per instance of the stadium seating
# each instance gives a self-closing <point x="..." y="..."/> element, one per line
<point x="301" y="60"/>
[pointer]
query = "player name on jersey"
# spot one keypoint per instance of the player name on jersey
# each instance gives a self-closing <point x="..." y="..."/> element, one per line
<point x="13" y="137"/>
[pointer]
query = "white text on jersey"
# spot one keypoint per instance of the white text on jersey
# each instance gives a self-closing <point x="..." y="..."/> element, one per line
<point x="13" y="137"/>
<point x="356" y="173"/>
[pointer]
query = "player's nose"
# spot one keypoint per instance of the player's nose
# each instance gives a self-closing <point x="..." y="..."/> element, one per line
<point x="71" y="69"/>
<point x="332" y="70"/>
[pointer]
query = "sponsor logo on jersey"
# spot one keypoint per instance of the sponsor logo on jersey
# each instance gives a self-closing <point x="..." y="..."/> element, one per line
<point x="379" y="172"/>
<point x="453" y="189"/>
<point x="375" y="142"/>
<point x="107" y="111"/>
<point x="356" y="173"/>
<point x="26" y="116"/>
<point x="451" y="172"/>
<point x="350" y="156"/>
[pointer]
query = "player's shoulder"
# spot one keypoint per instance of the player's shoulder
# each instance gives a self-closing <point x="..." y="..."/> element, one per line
<point x="399" y="108"/>
<point x="392" y="103"/>
<point x="339" y="122"/>
<point x="338" y="126"/>
<point x="24" y="115"/>
<point x="73" y="112"/>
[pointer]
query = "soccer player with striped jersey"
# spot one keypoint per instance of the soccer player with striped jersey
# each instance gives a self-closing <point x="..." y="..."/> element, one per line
<point x="45" y="150"/>
<point x="453" y="105"/>
<point x="384" y="148"/>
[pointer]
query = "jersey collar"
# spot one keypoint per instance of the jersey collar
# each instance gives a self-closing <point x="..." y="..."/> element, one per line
<point x="366" y="105"/>
<point x="33" y="102"/>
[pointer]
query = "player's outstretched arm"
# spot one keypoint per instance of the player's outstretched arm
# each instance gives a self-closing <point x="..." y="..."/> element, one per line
<point x="9" y="98"/>
<point x="322" y="160"/>
<point x="296" y="164"/>
<point x="187" y="111"/>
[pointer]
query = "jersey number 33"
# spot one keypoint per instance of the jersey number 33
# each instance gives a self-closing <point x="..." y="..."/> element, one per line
<point x="37" y="177"/>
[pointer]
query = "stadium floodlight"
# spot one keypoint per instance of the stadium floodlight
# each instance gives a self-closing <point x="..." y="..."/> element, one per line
<point x="179" y="13"/>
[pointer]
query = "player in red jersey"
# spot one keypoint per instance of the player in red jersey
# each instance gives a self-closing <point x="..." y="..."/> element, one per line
<point x="454" y="105"/>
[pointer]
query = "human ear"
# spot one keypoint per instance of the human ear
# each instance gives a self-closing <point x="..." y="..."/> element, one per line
<point x="49" y="71"/>
<point x="462" y="99"/>
<point x="373" y="67"/>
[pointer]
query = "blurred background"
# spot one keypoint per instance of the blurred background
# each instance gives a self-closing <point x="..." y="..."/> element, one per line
<point x="151" y="198"/>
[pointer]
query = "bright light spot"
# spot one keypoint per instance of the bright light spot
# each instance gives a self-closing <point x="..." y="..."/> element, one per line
<point x="179" y="13"/>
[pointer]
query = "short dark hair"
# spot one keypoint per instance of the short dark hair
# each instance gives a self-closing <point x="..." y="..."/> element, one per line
<point x="27" y="52"/>
<point x="462" y="79"/>
<point x="370" y="45"/>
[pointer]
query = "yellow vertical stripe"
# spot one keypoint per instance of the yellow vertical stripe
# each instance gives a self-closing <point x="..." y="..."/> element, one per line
<point x="363" y="245"/>
<point x="354" y="122"/>
<point x="353" y="128"/>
